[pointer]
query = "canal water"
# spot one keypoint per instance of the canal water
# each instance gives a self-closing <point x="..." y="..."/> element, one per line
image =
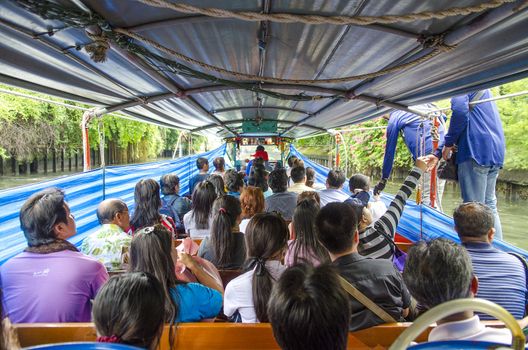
<point x="513" y="214"/>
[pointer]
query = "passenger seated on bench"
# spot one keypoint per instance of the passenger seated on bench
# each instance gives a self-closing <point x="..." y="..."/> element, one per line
<point x="218" y="183"/>
<point x="198" y="221"/>
<point x="359" y="186"/>
<point x="129" y="309"/>
<point x="334" y="188"/>
<point x="438" y="271"/>
<point x="152" y="251"/>
<point x="259" y="178"/>
<point x="175" y="204"/>
<point x="219" y="164"/>
<point x="501" y="276"/>
<point x="203" y="167"/>
<point x="310" y="180"/>
<point x="378" y="279"/>
<point x="51" y="281"/>
<point x="225" y="247"/>
<point x="281" y="200"/>
<point x="304" y="246"/>
<point x="147" y="206"/>
<point x="374" y="236"/>
<point x="246" y="297"/>
<point x="252" y="202"/>
<point x="106" y="245"/>
<point x="298" y="176"/>
<point x="308" y="309"/>
<point x="234" y="182"/>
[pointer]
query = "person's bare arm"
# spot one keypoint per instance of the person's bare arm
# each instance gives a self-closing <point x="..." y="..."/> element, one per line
<point x="202" y="276"/>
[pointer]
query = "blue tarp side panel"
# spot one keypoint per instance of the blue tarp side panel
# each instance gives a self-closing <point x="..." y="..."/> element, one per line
<point x="84" y="192"/>
<point x="434" y="223"/>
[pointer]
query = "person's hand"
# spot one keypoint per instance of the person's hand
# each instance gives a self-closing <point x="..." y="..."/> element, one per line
<point x="186" y="259"/>
<point x="431" y="161"/>
<point x="447" y="152"/>
<point x="421" y="163"/>
<point x="379" y="187"/>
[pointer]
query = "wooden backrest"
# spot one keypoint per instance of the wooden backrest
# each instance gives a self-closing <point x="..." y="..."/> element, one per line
<point x="404" y="246"/>
<point x="228" y="275"/>
<point x="207" y="335"/>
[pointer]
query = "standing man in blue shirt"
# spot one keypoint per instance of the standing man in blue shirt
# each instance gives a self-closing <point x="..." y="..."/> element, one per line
<point x="477" y="133"/>
<point x="414" y="130"/>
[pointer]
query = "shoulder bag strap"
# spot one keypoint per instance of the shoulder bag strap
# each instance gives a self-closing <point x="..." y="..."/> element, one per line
<point x="363" y="299"/>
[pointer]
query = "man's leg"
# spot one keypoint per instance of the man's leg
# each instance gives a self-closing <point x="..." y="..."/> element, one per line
<point x="491" y="199"/>
<point x="472" y="179"/>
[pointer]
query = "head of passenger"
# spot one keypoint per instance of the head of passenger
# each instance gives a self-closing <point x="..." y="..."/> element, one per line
<point x="310" y="303"/>
<point x="266" y="240"/>
<point x="337" y="229"/>
<point x="45" y="218"/>
<point x="150" y="252"/>
<point x="259" y="178"/>
<point x="291" y="160"/>
<point x="202" y="164"/>
<point x="335" y="179"/>
<point x="218" y="183"/>
<point x="129" y="310"/>
<point x="310" y="177"/>
<point x="219" y="164"/>
<point x="251" y="201"/>
<point x="147" y="204"/>
<point x="309" y="195"/>
<point x="170" y="184"/>
<point x="474" y="222"/>
<point x="233" y="181"/>
<point x="113" y="211"/>
<point x="359" y="182"/>
<point x="307" y="245"/>
<point x="226" y="218"/>
<point x="362" y="213"/>
<point x="203" y="198"/>
<point x="298" y="174"/>
<point x="438" y="271"/>
<point x="278" y="180"/>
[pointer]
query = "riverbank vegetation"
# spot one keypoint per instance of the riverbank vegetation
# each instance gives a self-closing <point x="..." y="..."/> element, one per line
<point x="362" y="150"/>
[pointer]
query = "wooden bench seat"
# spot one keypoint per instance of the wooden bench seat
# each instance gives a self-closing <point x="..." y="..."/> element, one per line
<point x="205" y="335"/>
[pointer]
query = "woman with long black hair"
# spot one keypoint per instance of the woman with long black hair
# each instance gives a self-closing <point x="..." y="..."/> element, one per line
<point x="198" y="221"/>
<point x="246" y="297"/>
<point x="225" y="248"/>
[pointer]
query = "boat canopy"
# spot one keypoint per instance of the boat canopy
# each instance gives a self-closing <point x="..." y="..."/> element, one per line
<point x="291" y="68"/>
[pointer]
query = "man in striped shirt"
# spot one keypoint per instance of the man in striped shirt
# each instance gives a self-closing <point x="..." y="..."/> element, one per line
<point x="501" y="276"/>
<point x="375" y="241"/>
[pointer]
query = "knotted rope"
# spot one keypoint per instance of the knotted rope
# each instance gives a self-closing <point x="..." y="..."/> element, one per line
<point x="318" y="19"/>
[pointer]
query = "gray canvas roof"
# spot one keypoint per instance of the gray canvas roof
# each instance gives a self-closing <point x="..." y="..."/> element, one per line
<point x="482" y="49"/>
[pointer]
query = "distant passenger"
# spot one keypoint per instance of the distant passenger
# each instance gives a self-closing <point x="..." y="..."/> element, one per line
<point x="309" y="310"/>
<point x="247" y="296"/>
<point x="129" y="309"/>
<point x="438" y="271"/>
<point x="298" y="177"/>
<point x="252" y="202"/>
<point x="198" y="221"/>
<point x="234" y="182"/>
<point x="501" y="276"/>
<point x="334" y="188"/>
<point x="304" y="246"/>
<point x="259" y="178"/>
<point x="203" y="167"/>
<point x="219" y="164"/>
<point x="218" y="183"/>
<point x="51" y="281"/>
<point x="378" y="279"/>
<point x="152" y="251"/>
<point x="375" y="241"/>
<point x="111" y="240"/>
<point x="310" y="180"/>
<point x="225" y="247"/>
<point x="147" y="207"/>
<point x="176" y="206"/>
<point x="261" y="153"/>
<point x="359" y="186"/>
<point x="281" y="200"/>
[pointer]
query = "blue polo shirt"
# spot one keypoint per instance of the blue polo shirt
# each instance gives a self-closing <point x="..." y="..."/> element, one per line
<point x="501" y="277"/>
<point x="195" y="302"/>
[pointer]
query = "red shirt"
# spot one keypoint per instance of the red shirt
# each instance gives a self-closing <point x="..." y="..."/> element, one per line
<point x="261" y="154"/>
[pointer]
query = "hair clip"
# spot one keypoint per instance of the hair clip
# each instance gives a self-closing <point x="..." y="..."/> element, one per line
<point x="222" y="210"/>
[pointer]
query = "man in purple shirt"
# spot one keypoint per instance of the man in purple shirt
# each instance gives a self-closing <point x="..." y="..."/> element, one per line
<point x="476" y="130"/>
<point x="51" y="281"/>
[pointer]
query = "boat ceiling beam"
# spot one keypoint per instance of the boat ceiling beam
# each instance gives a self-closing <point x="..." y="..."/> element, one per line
<point x="229" y="122"/>
<point x="310" y="88"/>
<point x="280" y="108"/>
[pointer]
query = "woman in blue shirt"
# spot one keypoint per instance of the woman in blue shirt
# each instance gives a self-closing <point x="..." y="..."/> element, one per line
<point x="152" y="251"/>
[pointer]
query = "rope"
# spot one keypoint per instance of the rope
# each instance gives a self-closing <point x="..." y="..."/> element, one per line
<point x="318" y="19"/>
<point x="439" y="48"/>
